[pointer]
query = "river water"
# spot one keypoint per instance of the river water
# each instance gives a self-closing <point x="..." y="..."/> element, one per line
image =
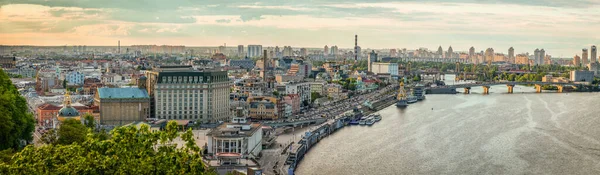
<point x="499" y="133"/>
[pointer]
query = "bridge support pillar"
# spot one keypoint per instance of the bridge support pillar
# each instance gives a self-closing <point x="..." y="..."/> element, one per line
<point x="510" y="88"/>
<point x="467" y="90"/>
<point x="486" y="89"/>
<point x="538" y="88"/>
<point x="560" y="88"/>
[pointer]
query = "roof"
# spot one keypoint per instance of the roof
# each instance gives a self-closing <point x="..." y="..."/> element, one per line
<point x="68" y="112"/>
<point x="114" y="93"/>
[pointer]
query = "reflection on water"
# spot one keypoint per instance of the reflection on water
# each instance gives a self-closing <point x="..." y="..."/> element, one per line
<point x="499" y="133"/>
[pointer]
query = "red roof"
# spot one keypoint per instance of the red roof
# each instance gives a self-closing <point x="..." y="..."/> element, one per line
<point x="48" y="106"/>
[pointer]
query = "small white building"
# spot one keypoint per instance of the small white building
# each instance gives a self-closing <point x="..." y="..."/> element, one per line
<point x="230" y="142"/>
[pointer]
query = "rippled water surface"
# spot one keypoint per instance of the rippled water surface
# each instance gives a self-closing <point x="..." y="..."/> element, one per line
<point x="499" y="133"/>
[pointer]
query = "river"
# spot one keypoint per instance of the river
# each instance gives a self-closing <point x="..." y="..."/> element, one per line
<point x="499" y="133"/>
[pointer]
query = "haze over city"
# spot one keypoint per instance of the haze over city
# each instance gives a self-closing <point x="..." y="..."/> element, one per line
<point x="562" y="27"/>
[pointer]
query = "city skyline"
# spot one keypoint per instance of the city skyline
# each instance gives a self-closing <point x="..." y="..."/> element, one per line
<point x="381" y="24"/>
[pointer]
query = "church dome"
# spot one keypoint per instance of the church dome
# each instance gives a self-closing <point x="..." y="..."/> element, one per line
<point x="68" y="112"/>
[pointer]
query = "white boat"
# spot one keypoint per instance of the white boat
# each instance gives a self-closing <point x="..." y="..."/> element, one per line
<point x="418" y="91"/>
<point x="412" y="99"/>
<point x="377" y="117"/>
<point x="370" y="121"/>
<point x="362" y="121"/>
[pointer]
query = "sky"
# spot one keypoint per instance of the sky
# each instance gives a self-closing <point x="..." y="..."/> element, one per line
<point x="561" y="27"/>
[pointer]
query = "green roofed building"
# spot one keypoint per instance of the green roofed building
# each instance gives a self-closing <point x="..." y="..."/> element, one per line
<point x="120" y="106"/>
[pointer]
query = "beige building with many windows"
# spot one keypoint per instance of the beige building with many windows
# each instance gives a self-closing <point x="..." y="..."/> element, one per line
<point x="185" y="94"/>
<point x="121" y="106"/>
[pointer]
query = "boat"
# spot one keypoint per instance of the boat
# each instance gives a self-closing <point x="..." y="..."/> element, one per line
<point x="412" y="99"/>
<point x="362" y="121"/>
<point x="402" y="102"/>
<point x="377" y="117"/>
<point x="370" y="121"/>
<point x="418" y="92"/>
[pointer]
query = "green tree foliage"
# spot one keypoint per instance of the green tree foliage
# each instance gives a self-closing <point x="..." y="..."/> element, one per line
<point x="129" y="151"/>
<point x="71" y="131"/>
<point x="50" y="137"/>
<point x="16" y="123"/>
<point x="314" y="96"/>
<point x="64" y="83"/>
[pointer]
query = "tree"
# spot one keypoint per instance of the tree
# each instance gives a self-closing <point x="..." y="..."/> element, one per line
<point x="64" y="83"/>
<point x="89" y="121"/>
<point x="17" y="123"/>
<point x="314" y="96"/>
<point x="71" y="131"/>
<point x="129" y="151"/>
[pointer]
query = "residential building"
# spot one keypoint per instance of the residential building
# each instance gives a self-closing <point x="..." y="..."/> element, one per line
<point x="326" y="50"/>
<point x="594" y="67"/>
<point x="511" y="55"/>
<point x="254" y="51"/>
<point x="385" y="68"/>
<point x="300" y="69"/>
<point x="251" y="87"/>
<point x="522" y="59"/>
<point x="281" y="79"/>
<point x="180" y="93"/>
<point x="263" y="108"/>
<point x="372" y="58"/>
<point x="240" y="51"/>
<point x="8" y="62"/>
<point x="27" y="72"/>
<point x="120" y="106"/>
<point x="450" y="53"/>
<point x="334" y="91"/>
<point x="584" y="56"/>
<point x="582" y="76"/>
<point x="302" y="89"/>
<point x="318" y="87"/>
<point x="294" y="101"/>
<point x="243" y="63"/>
<point x="577" y="61"/>
<point x="75" y="78"/>
<point x="232" y="141"/>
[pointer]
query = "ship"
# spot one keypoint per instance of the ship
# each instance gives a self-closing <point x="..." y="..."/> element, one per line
<point x="419" y="92"/>
<point x="402" y="102"/>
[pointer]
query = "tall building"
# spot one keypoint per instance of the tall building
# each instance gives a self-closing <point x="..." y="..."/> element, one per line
<point x="489" y="55"/>
<point x="303" y="52"/>
<point x="593" y="52"/>
<point x="182" y="93"/>
<point x="471" y="54"/>
<point x="254" y="51"/>
<point x="334" y="50"/>
<point x="536" y="56"/>
<point x="393" y="53"/>
<point x="326" y="50"/>
<point x="222" y="49"/>
<point x="372" y="58"/>
<point x="450" y="53"/>
<point x="511" y="55"/>
<point x="287" y="51"/>
<point x="577" y="61"/>
<point x="542" y="56"/>
<point x="240" y="50"/>
<point x="584" y="56"/>
<point x="440" y="52"/>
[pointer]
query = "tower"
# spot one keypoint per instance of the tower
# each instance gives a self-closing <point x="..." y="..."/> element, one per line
<point x="355" y="48"/>
<point x="511" y="54"/>
<point x="472" y="54"/>
<point x="593" y="56"/>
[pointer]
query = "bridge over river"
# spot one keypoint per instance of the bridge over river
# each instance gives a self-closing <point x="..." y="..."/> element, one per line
<point x="511" y="84"/>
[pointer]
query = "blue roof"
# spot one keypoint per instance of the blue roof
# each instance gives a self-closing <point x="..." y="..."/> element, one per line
<point x="122" y="93"/>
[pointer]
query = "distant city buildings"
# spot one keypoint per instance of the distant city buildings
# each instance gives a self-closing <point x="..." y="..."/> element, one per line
<point x="240" y="51"/>
<point x="576" y="61"/>
<point x="8" y="62"/>
<point x="254" y="51"/>
<point x="584" y="56"/>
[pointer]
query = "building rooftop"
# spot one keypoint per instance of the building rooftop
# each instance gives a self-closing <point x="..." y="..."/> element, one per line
<point x="114" y="93"/>
<point x="235" y="130"/>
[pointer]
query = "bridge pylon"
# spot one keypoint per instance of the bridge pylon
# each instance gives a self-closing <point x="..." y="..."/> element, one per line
<point x="538" y="88"/>
<point x="486" y="89"/>
<point x="510" y="88"/>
